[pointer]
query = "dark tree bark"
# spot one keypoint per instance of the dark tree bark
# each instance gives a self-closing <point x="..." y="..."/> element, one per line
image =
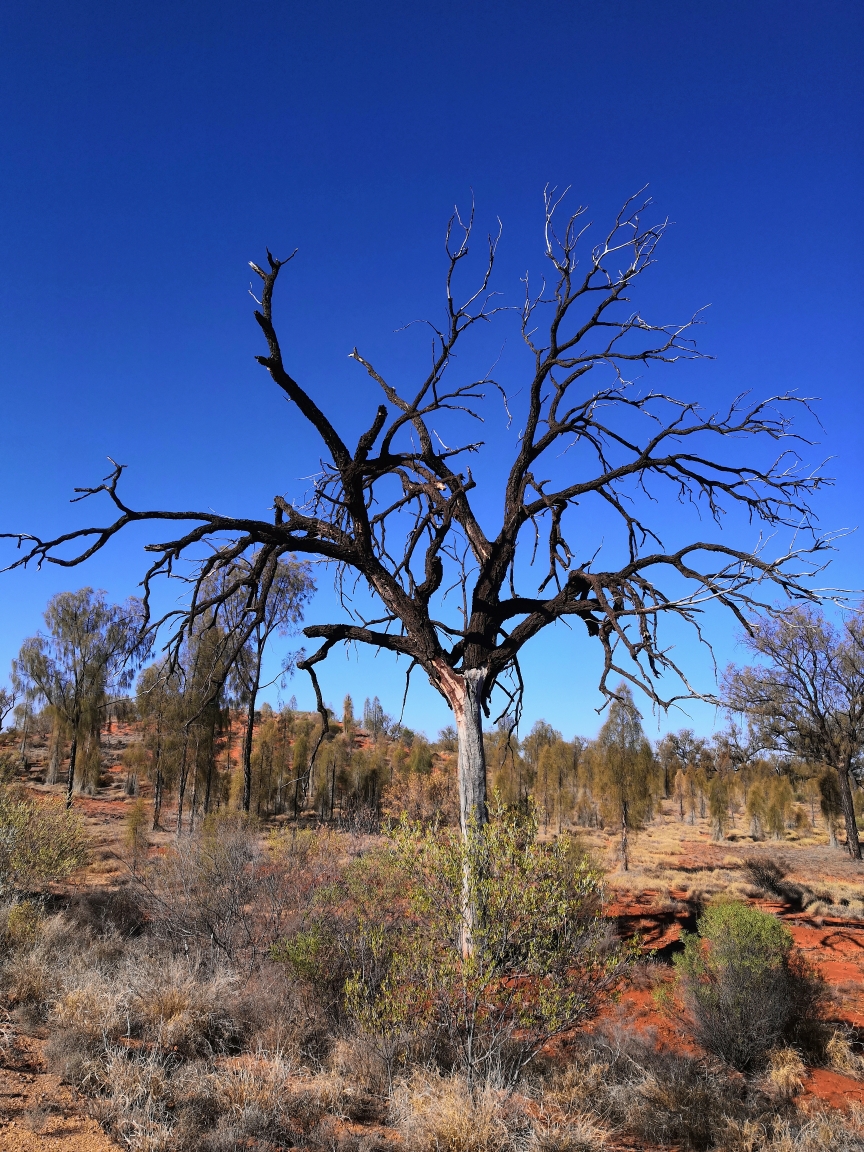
<point x="159" y="782"/>
<point x="853" y="843"/>
<point x="70" y="775"/>
<point x="250" y="732"/>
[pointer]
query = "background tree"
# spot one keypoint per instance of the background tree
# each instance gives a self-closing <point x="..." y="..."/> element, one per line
<point x="87" y="653"/>
<point x="807" y="699"/>
<point x="160" y="703"/>
<point x="292" y="586"/>
<point x="395" y="513"/>
<point x="678" y="751"/>
<point x="375" y="720"/>
<point x="348" y="723"/>
<point x="8" y="700"/>
<point x="624" y="766"/>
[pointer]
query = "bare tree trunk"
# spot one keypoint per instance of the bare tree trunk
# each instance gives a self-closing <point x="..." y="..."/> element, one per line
<point x="194" y="787"/>
<point x="208" y="787"/>
<point x="247" y="743"/>
<point x="158" y="785"/>
<point x="23" y="752"/>
<point x="70" y="777"/>
<point x="181" y="788"/>
<point x="53" y="773"/>
<point x="472" y="755"/>
<point x="467" y="695"/>
<point x="852" y="842"/>
<point x="625" y="847"/>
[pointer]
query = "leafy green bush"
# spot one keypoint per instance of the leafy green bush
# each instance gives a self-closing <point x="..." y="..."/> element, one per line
<point x="38" y="842"/>
<point x="541" y="961"/>
<point x="746" y="990"/>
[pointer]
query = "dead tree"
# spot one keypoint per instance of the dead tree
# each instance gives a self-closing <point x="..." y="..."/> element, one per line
<point x="397" y="510"/>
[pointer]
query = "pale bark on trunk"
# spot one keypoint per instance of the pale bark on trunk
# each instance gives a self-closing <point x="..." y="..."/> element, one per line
<point x="181" y="791"/>
<point x="472" y="754"/>
<point x="852" y="842"/>
<point x="465" y="694"/>
<point x="23" y="752"/>
<point x="53" y="773"/>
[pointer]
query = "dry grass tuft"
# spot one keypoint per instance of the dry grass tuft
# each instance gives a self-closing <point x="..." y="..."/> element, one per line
<point x="439" y="1114"/>
<point x="785" y="1072"/>
<point x="841" y="1057"/>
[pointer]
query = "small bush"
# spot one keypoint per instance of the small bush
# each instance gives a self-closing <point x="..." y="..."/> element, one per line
<point x="38" y="842"/>
<point x="21" y="925"/>
<point x="745" y="990"/>
<point x="540" y="964"/>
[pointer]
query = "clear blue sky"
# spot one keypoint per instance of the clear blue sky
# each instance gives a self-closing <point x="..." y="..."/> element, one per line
<point x="148" y="151"/>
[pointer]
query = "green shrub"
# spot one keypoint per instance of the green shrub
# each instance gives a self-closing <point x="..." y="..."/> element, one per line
<point x="541" y="962"/>
<point x="38" y="842"/>
<point x="746" y="990"/>
<point x="24" y="922"/>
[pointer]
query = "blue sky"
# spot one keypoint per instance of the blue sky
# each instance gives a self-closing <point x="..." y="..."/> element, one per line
<point x="147" y="152"/>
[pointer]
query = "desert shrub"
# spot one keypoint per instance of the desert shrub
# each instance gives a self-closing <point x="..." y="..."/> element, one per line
<point x="29" y="974"/>
<point x="153" y="1102"/>
<point x="745" y="989"/>
<point x="71" y="1054"/>
<point x="38" y="842"/>
<point x="230" y="896"/>
<point x="541" y="963"/>
<point x="183" y="1010"/>
<point x="21" y="924"/>
<point x="135" y="838"/>
<point x="211" y="891"/>
<point x="9" y="764"/>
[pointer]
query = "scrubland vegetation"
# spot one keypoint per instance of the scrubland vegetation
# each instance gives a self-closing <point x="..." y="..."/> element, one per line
<point x="297" y="976"/>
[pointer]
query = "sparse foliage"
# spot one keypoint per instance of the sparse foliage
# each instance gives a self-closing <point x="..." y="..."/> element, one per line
<point x="541" y="963"/>
<point x="624" y="767"/>
<point x="807" y="698"/>
<point x="38" y="842"/>
<point x="89" y="652"/>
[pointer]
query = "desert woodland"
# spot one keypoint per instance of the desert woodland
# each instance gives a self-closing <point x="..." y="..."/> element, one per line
<point x="229" y="922"/>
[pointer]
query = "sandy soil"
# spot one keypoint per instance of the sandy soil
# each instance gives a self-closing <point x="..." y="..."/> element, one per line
<point x="37" y="1112"/>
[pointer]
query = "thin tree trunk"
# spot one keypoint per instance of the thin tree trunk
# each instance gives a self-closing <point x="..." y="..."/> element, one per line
<point x="70" y="778"/>
<point x="247" y="743"/>
<point x="625" y="847"/>
<point x="208" y="787"/>
<point x="852" y="842"/>
<point x="23" y="752"/>
<point x="473" y="810"/>
<point x="560" y="793"/>
<point x="53" y="773"/>
<point x="158" y="785"/>
<point x="194" y="788"/>
<point x="472" y="755"/>
<point x="181" y="788"/>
